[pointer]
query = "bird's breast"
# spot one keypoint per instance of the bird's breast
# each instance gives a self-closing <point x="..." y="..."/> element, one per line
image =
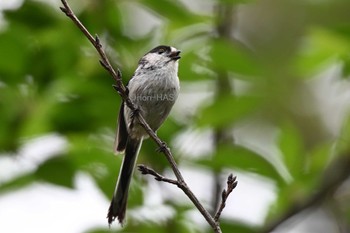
<point x="154" y="95"/>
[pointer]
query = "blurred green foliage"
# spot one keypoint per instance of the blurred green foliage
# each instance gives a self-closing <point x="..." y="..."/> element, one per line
<point x="51" y="81"/>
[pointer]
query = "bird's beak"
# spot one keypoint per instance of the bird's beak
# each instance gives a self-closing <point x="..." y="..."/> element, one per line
<point x="175" y="55"/>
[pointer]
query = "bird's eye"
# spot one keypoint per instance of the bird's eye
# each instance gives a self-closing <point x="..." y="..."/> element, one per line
<point x="160" y="51"/>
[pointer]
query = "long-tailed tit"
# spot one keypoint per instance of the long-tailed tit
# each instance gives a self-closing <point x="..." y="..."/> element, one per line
<point x="153" y="89"/>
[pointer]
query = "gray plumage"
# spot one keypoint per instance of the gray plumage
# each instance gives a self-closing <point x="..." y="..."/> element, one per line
<point x="153" y="89"/>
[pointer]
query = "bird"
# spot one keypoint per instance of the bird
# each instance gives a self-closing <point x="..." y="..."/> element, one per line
<point x="153" y="89"/>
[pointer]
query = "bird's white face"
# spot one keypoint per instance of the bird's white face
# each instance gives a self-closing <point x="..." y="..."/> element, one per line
<point x="160" y="57"/>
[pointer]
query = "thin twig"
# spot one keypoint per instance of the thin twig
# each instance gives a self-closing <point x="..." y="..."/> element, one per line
<point x="149" y="171"/>
<point x="123" y="93"/>
<point x="95" y="41"/>
<point x="231" y="184"/>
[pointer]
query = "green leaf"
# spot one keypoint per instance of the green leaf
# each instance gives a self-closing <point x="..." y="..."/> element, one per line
<point x="98" y="231"/>
<point x="288" y="196"/>
<point x="58" y="170"/>
<point x="90" y="155"/>
<point x="41" y="16"/>
<point x="291" y="145"/>
<point x="242" y="158"/>
<point x="194" y="68"/>
<point x="343" y="142"/>
<point x="322" y="48"/>
<point x="319" y="158"/>
<point x="14" y="50"/>
<point x="237" y="1"/>
<point x="229" y="57"/>
<point x="227" y="110"/>
<point x="17" y="183"/>
<point x="12" y="115"/>
<point x="233" y="226"/>
<point x="346" y="66"/>
<point x="174" y="11"/>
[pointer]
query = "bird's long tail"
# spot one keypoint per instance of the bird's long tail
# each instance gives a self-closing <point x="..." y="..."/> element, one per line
<point x="118" y="205"/>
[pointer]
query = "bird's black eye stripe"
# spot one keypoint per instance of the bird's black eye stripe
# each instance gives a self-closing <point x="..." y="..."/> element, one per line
<point x="160" y="49"/>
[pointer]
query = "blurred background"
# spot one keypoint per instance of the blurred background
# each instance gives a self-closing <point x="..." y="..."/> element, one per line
<point x="265" y="95"/>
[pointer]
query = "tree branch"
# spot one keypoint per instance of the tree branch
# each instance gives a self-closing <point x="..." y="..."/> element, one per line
<point x="231" y="184"/>
<point x="149" y="171"/>
<point x="123" y="93"/>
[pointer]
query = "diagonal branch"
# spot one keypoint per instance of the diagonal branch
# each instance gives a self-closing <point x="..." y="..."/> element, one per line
<point x="123" y="93"/>
<point x="95" y="41"/>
